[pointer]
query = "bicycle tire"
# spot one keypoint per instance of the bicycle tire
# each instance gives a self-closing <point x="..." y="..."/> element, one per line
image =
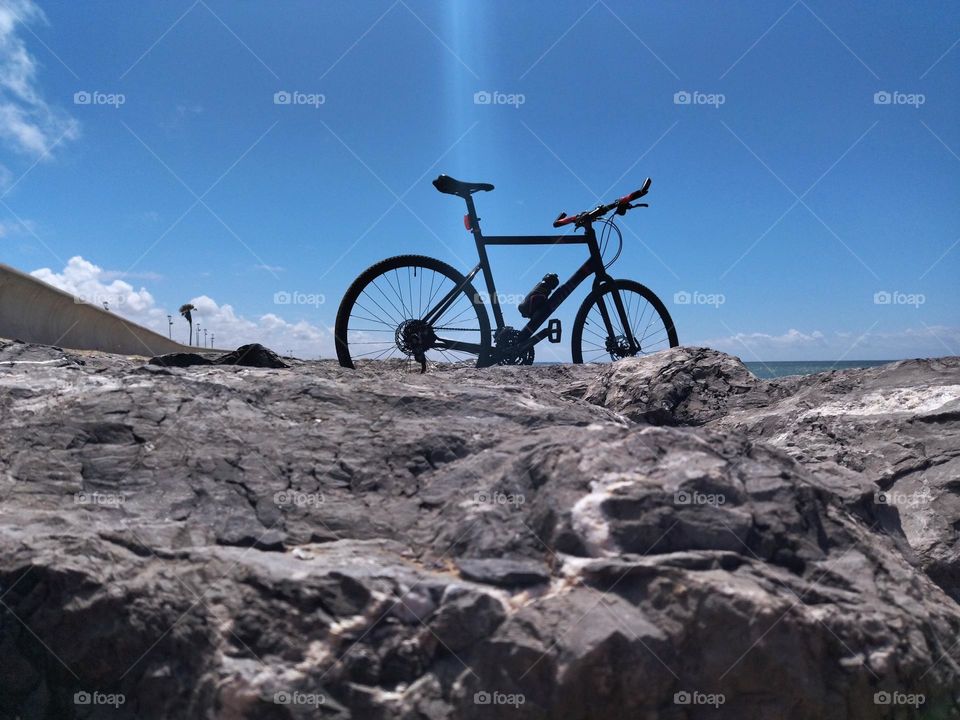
<point x="346" y="310"/>
<point x="657" y="310"/>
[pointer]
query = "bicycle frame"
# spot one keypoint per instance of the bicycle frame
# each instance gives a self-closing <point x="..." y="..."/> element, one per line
<point x="528" y="334"/>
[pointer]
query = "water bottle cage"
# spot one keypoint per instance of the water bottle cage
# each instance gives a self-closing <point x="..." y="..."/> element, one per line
<point x="537" y="297"/>
<point x="531" y="304"/>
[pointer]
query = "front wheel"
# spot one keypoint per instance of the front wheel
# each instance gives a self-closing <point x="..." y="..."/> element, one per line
<point x="414" y="310"/>
<point x="646" y="316"/>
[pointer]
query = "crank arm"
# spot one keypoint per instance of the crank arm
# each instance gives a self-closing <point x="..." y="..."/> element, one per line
<point x="529" y="342"/>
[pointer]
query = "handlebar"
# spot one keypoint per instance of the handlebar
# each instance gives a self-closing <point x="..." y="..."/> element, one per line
<point x="621" y="204"/>
<point x="636" y="194"/>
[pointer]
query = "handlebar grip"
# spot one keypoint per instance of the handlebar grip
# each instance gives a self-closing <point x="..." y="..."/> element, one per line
<point x="636" y="193"/>
<point x="562" y="220"/>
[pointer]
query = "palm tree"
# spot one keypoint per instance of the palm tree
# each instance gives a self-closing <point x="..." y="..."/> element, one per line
<point x="186" y="311"/>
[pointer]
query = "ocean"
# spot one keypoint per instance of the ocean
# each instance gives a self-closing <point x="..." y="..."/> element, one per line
<point x="767" y="370"/>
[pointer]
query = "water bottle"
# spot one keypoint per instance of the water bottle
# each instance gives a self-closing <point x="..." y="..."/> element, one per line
<point x="537" y="297"/>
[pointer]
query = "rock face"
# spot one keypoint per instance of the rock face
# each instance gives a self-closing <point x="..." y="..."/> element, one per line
<point x="253" y="355"/>
<point x="664" y="538"/>
<point x="180" y="360"/>
<point x="893" y="431"/>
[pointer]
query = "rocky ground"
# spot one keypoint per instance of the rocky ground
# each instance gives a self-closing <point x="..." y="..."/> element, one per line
<point x="665" y="538"/>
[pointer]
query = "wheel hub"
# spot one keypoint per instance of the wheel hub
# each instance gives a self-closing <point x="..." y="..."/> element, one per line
<point x="415" y="337"/>
<point x="619" y="347"/>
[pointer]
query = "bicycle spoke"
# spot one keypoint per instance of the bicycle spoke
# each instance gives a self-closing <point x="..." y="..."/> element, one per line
<point x="410" y="289"/>
<point x="385" y="297"/>
<point x="360" y="355"/>
<point x="432" y="293"/>
<point x="420" y="297"/>
<point x="368" y="319"/>
<point x="399" y="293"/>
<point x="456" y="317"/>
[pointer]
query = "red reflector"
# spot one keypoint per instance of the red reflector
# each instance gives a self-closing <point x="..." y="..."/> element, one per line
<point x="466" y="222"/>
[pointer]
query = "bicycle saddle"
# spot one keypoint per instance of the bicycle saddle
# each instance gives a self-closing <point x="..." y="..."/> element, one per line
<point x="451" y="186"/>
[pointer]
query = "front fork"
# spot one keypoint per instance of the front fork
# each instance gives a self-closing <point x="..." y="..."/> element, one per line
<point x="621" y="313"/>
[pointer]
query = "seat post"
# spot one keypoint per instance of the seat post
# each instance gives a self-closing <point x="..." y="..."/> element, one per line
<point x="472" y="214"/>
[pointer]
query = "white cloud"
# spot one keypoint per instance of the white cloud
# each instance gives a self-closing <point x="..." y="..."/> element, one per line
<point x="27" y="123"/>
<point x="87" y="281"/>
<point x="92" y="284"/>
<point x="15" y="227"/>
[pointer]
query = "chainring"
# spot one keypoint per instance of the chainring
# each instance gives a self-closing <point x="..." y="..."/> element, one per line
<point x="506" y="341"/>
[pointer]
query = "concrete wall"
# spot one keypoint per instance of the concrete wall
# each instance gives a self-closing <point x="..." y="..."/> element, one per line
<point x="32" y="311"/>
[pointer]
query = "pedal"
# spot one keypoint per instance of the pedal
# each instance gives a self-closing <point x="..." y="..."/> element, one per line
<point x="554" y="330"/>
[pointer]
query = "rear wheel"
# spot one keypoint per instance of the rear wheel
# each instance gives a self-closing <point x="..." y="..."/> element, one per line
<point x="648" y="319"/>
<point x="386" y="315"/>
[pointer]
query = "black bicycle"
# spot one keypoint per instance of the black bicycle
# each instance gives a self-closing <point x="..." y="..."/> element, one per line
<point x="416" y="308"/>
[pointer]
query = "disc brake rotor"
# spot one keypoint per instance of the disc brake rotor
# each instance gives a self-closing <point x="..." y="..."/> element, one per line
<point x="619" y="347"/>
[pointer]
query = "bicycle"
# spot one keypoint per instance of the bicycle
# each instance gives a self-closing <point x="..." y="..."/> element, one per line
<point x="391" y="307"/>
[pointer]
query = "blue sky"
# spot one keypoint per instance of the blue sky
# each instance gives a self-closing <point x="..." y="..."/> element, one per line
<point x="789" y="200"/>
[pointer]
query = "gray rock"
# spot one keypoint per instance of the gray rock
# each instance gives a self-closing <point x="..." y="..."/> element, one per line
<point x="498" y="571"/>
<point x="884" y="438"/>
<point x="230" y="542"/>
<point x="180" y="360"/>
<point x="253" y="355"/>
